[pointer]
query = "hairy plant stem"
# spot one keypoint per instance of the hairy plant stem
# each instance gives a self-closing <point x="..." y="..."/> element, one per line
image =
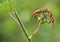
<point x="18" y="21"/>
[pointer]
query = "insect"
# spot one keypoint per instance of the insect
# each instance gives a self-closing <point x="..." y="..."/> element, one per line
<point x="43" y="11"/>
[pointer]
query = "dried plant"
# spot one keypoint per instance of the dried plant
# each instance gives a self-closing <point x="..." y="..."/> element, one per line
<point x="43" y="16"/>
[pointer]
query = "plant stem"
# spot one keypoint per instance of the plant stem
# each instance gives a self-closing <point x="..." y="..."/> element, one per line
<point x="35" y="31"/>
<point x="18" y="21"/>
<point x="13" y="18"/>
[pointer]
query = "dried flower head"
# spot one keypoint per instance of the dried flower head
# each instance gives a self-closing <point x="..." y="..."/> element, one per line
<point x="43" y="14"/>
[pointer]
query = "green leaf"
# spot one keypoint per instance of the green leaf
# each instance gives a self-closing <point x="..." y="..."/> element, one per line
<point x="7" y="6"/>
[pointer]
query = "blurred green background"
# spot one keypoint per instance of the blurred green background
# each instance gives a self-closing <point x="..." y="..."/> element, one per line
<point x="9" y="30"/>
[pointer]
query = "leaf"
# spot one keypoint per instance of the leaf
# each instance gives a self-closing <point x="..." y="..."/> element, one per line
<point x="7" y="6"/>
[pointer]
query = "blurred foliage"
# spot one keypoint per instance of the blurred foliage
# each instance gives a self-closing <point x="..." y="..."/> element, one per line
<point x="6" y="5"/>
<point x="9" y="30"/>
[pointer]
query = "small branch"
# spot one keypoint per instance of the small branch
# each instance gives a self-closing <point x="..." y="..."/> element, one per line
<point x="18" y="21"/>
<point x="13" y="18"/>
<point x="23" y="28"/>
<point x="36" y="30"/>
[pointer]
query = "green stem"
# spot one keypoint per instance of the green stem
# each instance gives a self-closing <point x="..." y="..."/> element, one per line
<point x="35" y="31"/>
<point x="23" y="28"/>
<point x="13" y="18"/>
<point x="18" y="21"/>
